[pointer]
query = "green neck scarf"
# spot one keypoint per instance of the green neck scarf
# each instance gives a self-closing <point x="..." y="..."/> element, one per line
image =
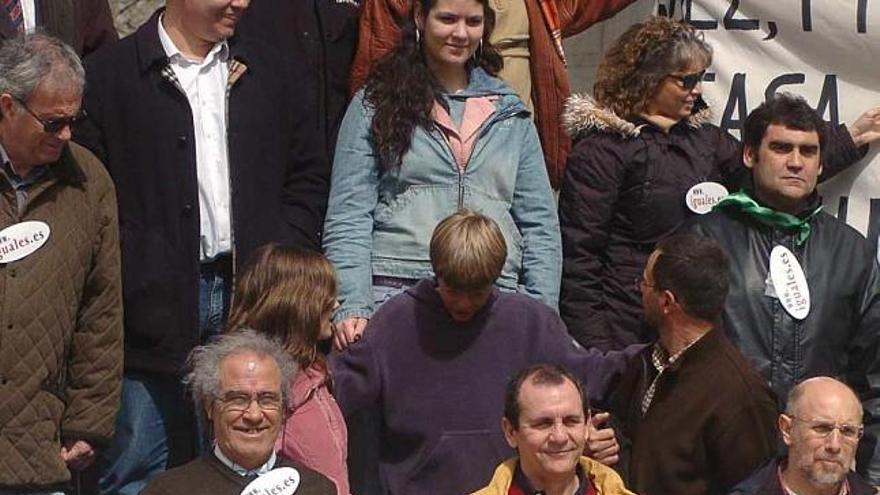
<point x="743" y="202"/>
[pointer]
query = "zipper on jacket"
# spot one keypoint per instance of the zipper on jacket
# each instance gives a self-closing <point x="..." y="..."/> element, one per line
<point x="461" y="186"/>
<point x="483" y="130"/>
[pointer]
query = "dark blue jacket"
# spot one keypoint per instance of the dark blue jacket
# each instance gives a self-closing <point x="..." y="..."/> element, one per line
<point x="140" y="126"/>
<point x="322" y="33"/>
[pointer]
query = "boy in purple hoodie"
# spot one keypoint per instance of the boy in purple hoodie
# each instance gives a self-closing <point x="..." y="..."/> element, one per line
<point x="435" y="360"/>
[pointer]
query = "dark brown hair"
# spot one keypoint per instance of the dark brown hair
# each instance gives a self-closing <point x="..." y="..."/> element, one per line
<point x="695" y="270"/>
<point x="539" y="374"/>
<point x="402" y="89"/>
<point x="783" y="109"/>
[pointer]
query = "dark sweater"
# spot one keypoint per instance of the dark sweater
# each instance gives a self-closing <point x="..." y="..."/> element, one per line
<point x="712" y="421"/>
<point x="208" y="476"/>
<point x="440" y="384"/>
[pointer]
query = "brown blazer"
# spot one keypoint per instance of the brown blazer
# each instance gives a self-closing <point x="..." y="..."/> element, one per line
<point x="60" y="323"/>
<point x="86" y="25"/>
<point x="379" y="28"/>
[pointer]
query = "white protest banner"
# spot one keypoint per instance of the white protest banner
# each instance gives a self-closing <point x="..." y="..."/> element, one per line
<point x="827" y="51"/>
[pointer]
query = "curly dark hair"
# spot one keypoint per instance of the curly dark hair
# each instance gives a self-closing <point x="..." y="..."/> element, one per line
<point x="635" y="65"/>
<point x="402" y="89"/>
<point x="783" y="109"/>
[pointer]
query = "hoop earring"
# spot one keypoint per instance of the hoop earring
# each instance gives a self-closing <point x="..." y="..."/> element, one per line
<point x="418" y="38"/>
<point x="478" y="53"/>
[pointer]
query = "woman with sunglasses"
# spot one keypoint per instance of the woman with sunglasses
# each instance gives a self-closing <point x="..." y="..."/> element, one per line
<point x="645" y="158"/>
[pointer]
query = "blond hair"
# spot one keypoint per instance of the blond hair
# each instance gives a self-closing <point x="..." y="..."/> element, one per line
<point x="468" y="250"/>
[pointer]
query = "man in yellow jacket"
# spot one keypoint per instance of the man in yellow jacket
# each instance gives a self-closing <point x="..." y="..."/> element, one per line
<point x="546" y="419"/>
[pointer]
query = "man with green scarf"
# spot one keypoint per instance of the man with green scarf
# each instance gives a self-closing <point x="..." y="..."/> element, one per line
<point x="804" y="287"/>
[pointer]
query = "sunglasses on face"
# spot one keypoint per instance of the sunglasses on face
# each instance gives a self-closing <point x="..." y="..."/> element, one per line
<point x="689" y="81"/>
<point x="54" y="125"/>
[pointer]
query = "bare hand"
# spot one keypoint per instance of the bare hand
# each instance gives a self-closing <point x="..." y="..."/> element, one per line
<point x="348" y="331"/>
<point x="866" y="129"/>
<point x="602" y="444"/>
<point x="78" y="454"/>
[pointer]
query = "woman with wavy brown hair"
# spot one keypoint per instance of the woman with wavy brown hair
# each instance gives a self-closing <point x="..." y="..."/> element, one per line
<point x="432" y="132"/>
<point x="289" y="295"/>
<point x="645" y="159"/>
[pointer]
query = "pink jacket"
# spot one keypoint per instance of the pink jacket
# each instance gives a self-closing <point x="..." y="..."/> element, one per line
<point x="314" y="434"/>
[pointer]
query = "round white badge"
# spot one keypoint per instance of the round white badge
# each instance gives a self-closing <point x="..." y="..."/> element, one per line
<point x="279" y="481"/>
<point x="702" y="197"/>
<point x="22" y="239"/>
<point x="789" y="282"/>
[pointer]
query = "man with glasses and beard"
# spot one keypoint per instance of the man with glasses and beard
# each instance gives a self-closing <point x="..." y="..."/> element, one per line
<point x="821" y="426"/>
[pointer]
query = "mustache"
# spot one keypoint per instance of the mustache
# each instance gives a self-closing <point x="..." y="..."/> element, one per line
<point x="830" y="458"/>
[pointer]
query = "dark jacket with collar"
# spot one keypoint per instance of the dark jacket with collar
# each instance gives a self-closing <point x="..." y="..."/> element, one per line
<point x="316" y="35"/>
<point x="765" y="481"/>
<point x="840" y="336"/>
<point x="711" y="422"/>
<point x="140" y="125"/>
<point x="85" y="25"/>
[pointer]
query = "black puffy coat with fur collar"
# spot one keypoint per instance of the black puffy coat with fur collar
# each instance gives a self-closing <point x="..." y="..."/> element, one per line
<point x="624" y="190"/>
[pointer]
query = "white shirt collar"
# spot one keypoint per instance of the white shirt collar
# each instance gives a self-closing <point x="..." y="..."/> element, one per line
<point x="221" y="49"/>
<point x="265" y="468"/>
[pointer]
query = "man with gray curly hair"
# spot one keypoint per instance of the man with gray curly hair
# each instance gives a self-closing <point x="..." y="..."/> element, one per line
<point x="239" y="384"/>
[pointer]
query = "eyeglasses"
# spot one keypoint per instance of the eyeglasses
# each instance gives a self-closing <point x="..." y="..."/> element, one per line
<point x="824" y="428"/>
<point x="241" y="401"/>
<point x="689" y="81"/>
<point x="54" y="126"/>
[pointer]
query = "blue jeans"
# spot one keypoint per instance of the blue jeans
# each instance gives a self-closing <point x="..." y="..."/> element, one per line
<point x="156" y="427"/>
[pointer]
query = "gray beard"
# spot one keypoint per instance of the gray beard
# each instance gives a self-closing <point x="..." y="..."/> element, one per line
<point x="821" y="477"/>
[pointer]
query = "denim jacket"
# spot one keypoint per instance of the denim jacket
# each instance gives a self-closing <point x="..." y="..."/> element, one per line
<point x="380" y="223"/>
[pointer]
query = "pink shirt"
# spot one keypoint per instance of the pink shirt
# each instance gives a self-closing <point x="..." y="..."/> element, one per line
<point x="314" y="434"/>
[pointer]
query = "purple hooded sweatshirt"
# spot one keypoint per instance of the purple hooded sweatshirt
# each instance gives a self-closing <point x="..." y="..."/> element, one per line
<point x="439" y="384"/>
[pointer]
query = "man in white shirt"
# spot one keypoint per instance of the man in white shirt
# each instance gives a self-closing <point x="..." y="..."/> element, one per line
<point x="214" y="153"/>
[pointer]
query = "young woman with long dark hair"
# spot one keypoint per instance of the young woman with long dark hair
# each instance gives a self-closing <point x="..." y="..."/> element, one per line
<point x="433" y="132"/>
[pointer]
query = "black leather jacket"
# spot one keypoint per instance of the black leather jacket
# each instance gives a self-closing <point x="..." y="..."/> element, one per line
<point x="840" y="335"/>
